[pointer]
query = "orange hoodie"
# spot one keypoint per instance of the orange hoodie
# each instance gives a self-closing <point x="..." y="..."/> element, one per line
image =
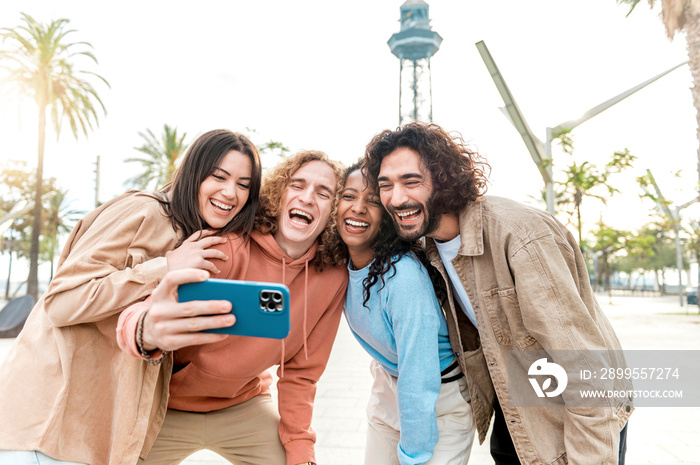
<point x="219" y="375"/>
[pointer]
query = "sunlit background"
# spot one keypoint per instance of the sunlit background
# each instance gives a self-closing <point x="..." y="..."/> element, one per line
<point x="319" y="75"/>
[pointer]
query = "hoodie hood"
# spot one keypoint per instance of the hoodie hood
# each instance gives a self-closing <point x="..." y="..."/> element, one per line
<point x="274" y="252"/>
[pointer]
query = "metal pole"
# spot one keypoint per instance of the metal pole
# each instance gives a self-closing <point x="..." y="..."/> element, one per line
<point x="430" y="89"/>
<point x="415" y="90"/>
<point x="679" y="255"/>
<point x="97" y="182"/>
<point x="400" y="80"/>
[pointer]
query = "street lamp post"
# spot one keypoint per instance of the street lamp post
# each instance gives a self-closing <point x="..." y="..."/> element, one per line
<point x="542" y="153"/>
<point x="675" y="217"/>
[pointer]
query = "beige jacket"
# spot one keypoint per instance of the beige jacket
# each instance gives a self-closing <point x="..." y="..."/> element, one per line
<point x="66" y="389"/>
<point x="528" y="284"/>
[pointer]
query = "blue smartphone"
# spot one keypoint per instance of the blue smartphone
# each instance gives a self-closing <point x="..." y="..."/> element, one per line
<point x="261" y="309"/>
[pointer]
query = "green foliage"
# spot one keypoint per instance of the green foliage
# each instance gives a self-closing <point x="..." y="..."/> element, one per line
<point x="585" y="179"/>
<point x="271" y="152"/>
<point x="162" y="157"/>
<point x="693" y="231"/>
<point x="18" y="184"/>
<point x="565" y="139"/>
<point x="40" y="63"/>
<point x="60" y="219"/>
<point x="631" y="3"/>
<point x="164" y="154"/>
<point x="605" y="243"/>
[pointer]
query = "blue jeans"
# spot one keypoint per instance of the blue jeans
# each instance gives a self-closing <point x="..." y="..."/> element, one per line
<point x="29" y="457"/>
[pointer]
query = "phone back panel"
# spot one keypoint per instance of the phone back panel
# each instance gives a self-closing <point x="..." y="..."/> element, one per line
<point x="261" y="308"/>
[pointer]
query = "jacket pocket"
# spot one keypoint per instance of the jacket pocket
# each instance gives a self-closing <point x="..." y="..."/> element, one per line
<point x="506" y="320"/>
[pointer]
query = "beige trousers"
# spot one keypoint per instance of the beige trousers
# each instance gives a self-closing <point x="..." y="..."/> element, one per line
<point x="455" y="422"/>
<point x="245" y="434"/>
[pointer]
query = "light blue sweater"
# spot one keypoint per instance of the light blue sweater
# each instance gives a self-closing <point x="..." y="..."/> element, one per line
<point x="403" y="328"/>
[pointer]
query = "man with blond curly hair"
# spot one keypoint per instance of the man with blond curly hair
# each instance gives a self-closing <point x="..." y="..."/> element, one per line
<point x="226" y="384"/>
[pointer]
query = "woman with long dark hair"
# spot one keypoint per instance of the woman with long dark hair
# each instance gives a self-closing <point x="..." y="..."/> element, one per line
<point x="68" y="393"/>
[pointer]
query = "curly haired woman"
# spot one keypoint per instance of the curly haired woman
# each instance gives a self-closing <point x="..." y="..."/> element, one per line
<point x="417" y="412"/>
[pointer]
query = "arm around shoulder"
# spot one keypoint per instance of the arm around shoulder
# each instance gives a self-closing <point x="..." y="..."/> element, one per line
<point x="118" y="259"/>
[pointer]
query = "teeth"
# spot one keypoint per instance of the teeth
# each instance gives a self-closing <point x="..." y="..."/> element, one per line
<point x="220" y="205"/>
<point x="357" y="224"/>
<point x="301" y="213"/>
<point x="403" y="214"/>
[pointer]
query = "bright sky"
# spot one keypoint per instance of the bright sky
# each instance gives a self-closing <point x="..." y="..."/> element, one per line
<point x="319" y="75"/>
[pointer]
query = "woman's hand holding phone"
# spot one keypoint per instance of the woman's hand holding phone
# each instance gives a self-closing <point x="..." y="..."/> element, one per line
<point x="171" y="325"/>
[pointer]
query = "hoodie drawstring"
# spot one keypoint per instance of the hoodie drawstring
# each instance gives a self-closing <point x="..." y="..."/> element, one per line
<point x="306" y="302"/>
<point x="284" y="269"/>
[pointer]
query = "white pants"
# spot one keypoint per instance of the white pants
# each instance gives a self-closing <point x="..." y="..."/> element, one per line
<point x="29" y="457"/>
<point x="455" y="422"/>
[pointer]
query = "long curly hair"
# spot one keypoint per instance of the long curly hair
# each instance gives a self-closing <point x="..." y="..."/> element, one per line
<point x="388" y="249"/>
<point x="458" y="174"/>
<point x="274" y="184"/>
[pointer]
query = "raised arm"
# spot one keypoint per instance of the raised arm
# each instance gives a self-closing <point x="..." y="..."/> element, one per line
<point x="170" y="325"/>
<point x="118" y="259"/>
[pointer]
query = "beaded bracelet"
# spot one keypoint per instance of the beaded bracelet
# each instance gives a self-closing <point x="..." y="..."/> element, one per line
<point x="139" y="343"/>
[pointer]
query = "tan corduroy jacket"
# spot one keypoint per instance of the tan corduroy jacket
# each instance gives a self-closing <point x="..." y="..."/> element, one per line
<point x="528" y="284"/>
<point x="67" y="390"/>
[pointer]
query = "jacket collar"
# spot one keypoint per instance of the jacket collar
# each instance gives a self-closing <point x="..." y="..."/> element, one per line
<point x="471" y="229"/>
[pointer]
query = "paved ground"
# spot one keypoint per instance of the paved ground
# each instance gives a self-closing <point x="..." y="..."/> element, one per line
<point x="657" y="436"/>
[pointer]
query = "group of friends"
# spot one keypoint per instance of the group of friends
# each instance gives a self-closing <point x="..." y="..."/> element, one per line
<point x="437" y="281"/>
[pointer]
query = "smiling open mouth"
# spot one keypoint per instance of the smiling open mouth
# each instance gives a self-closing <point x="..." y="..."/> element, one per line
<point x="221" y="206"/>
<point x="356" y="224"/>
<point x="300" y="217"/>
<point x="408" y="215"/>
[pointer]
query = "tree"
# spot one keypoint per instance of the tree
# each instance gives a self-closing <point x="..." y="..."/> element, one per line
<point x="640" y="249"/>
<point x="162" y="157"/>
<point x="40" y="62"/>
<point x="664" y="251"/>
<point x="606" y="242"/>
<point x="677" y="16"/>
<point x="672" y="218"/>
<point x="17" y="189"/>
<point x="271" y="152"/>
<point x="60" y="219"/>
<point x="583" y="180"/>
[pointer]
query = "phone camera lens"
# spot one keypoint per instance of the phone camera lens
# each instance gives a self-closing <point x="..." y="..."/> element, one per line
<point x="264" y="296"/>
<point x="271" y="307"/>
<point x="277" y="297"/>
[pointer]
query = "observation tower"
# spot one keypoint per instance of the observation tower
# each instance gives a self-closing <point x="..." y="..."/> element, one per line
<point x="414" y="45"/>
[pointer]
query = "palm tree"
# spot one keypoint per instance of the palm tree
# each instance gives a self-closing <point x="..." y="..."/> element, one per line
<point x="60" y="219"/>
<point x="162" y="158"/>
<point x="683" y="15"/>
<point x="583" y="180"/>
<point x="39" y="61"/>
